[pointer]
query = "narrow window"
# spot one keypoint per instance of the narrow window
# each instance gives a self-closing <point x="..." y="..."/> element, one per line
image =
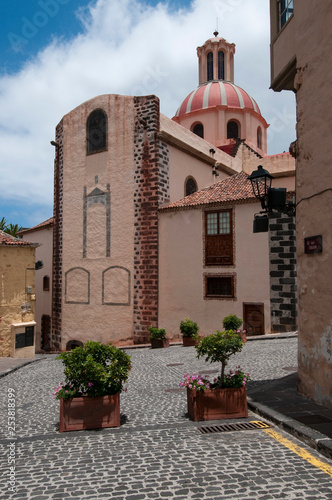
<point x="198" y="129"/>
<point x="221" y="65"/>
<point x="285" y="10"/>
<point x="191" y="186"/>
<point x="232" y="130"/>
<point x="209" y="61"/>
<point x="218" y="238"/>
<point x="97" y="132"/>
<point x="46" y="283"/>
<point x="219" y="286"/>
<point x="259" y="138"/>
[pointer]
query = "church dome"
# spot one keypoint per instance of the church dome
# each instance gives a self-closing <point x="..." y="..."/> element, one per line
<point x="217" y="93"/>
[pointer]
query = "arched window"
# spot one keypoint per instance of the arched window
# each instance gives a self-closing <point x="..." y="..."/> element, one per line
<point x="259" y="138"/>
<point x="209" y="61"/>
<point x="221" y="65"/>
<point x="191" y="186"/>
<point x="232" y="130"/>
<point x="46" y="283"/>
<point x="96" y="134"/>
<point x="198" y="129"/>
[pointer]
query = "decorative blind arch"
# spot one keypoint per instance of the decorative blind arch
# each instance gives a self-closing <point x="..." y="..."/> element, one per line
<point x="104" y="198"/>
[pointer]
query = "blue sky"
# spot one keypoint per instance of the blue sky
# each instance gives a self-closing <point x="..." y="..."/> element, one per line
<point x="55" y="54"/>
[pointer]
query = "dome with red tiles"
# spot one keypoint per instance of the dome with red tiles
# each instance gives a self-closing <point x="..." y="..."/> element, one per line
<point x="217" y="93"/>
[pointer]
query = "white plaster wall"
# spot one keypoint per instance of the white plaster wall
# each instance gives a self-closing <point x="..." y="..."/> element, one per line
<point x="44" y="252"/>
<point x="182" y="166"/>
<point x="181" y="270"/>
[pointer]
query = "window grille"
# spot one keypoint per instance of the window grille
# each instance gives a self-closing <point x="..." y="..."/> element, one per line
<point x="220" y="286"/>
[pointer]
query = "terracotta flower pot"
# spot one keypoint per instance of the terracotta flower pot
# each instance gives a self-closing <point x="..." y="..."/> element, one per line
<point x="159" y="343"/>
<point x="189" y="341"/>
<point x="243" y="336"/>
<point x="215" y="404"/>
<point x="89" y="413"/>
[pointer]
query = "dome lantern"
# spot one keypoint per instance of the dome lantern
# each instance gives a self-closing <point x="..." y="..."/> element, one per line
<point x="216" y="60"/>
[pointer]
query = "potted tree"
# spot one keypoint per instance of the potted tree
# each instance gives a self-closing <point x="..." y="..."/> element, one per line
<point x="232" y="322"/>
<point x="158" y="337"/>
<point x="225" y="397"/>
<point x="94" y="377"/>
<point x="189" y="330"/>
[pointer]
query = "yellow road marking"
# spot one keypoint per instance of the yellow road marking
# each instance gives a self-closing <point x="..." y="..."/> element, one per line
<point x="300" y="451"/>
<point x="260" y="424"/>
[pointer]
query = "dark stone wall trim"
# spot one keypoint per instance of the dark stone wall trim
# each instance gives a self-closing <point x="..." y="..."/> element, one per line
<point x="146" y="201"/>
<point x="283" y="296"/>
<point x="57" y="240"/>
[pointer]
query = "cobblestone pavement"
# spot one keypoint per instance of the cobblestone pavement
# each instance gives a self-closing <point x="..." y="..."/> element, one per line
<point x="157" y="452"/>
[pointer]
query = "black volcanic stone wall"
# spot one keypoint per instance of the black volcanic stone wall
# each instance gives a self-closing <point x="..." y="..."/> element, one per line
<point x="282" y="234"/>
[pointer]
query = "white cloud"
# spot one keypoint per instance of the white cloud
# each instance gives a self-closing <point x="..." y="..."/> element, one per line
<point x="128" y="48"/>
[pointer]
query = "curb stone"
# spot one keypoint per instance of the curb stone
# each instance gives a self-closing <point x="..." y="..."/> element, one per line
<point x="311" y="437"/>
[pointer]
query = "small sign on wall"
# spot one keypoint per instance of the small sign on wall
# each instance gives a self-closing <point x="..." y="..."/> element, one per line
<point x="313" y="244"/>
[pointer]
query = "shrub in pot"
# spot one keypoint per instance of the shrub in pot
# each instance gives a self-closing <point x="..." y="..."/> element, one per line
<point x="189" y="330"/>
<point x="95" y="375"/>
<point x="158" y="337"/>
<point x="225" y="397"/>
<point x="232" y="322"/>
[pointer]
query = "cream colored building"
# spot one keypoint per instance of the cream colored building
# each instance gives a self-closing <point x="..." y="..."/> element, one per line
<point x="43" y="235"/>
<point x="17" y="299"/>
<point x="301" y="61"/>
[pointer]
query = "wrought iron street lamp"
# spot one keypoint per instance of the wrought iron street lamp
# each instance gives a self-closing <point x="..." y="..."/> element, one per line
<point x="261" y="181"/>
<point x="272" y="199"/>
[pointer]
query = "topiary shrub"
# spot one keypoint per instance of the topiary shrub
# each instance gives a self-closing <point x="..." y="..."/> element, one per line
<point x="232" y="322"/>
<point x="189" y="328"/>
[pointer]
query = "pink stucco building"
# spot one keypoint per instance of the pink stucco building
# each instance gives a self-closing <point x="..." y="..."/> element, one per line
<point x="153" y="216"/>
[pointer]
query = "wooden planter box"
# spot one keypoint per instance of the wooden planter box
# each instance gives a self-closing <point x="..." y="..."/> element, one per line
<point x="89" y="413"/>
<point x="159" y="343"/>
<point x="189" y="341"/>
<point x="215" y="404"/>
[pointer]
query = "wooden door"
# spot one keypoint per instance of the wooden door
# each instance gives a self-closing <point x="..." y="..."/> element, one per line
<point x="253" y="318"/>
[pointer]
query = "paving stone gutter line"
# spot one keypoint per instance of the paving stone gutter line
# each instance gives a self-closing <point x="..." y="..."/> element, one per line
<point x="313" y="438"/>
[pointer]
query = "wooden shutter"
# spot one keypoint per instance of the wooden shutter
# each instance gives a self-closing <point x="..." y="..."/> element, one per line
<point x="219" y="247"/>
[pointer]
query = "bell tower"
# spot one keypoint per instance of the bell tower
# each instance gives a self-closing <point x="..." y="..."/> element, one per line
<point x="216" y="60"/>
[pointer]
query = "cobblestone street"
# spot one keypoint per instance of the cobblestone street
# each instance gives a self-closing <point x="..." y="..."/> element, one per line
<point x="157" y="452"/>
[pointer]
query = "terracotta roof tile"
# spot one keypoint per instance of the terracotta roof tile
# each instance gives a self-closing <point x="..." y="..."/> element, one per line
<point x="8" y="240"/>
<point x="42" y="225"/>
<point x="236" y="188"/>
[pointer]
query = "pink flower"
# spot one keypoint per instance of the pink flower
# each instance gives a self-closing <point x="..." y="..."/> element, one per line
<point x="90" y="384"/>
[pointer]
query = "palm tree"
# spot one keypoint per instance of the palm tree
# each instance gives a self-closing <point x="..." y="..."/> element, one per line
<point x="3" y="224"/>
<point x="12" y="229"/>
